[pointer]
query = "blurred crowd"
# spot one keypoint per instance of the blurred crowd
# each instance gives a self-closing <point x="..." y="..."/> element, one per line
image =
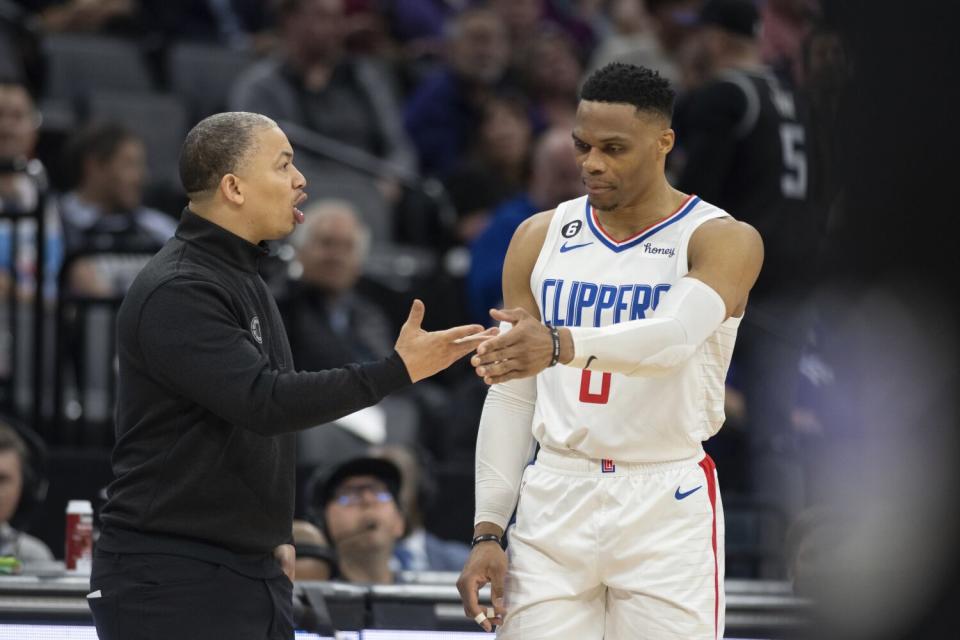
<point x="428" y="130"/>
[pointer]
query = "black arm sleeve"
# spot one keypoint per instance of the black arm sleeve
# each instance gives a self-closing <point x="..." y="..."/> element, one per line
<point x="193" y="344"/>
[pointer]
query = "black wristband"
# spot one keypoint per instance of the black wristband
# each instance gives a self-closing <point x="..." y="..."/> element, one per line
<point x="486" y="537"/>
<point x="555" y="336"/>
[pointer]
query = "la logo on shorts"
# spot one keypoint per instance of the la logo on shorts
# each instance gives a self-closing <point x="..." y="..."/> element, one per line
<point x="607" y="466"/>
<point x="255" y="330"/>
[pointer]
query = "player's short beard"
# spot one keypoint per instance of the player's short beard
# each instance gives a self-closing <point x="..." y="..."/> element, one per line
<point x="598" y="207"/>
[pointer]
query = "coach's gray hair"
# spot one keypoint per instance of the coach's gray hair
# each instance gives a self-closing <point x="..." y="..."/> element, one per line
<point x="216" y="146"/>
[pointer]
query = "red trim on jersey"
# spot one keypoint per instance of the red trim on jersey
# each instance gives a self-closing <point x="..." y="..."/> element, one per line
<point x="596" y="221"/>
<point x="709" y="468"/>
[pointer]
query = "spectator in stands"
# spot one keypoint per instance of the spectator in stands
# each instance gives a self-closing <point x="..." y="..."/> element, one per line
<point x="551" y="71"/>
<point x="315" y="558"/>
<point x="637" y="38"/>
<point x="420" y="550"/>
<point x="313" y="84"/>
<point x="103" y="211"/>
<point x="19" y="123"/>
<point x="786" y="24"/>
<point x="495" y="168"/>
<point x="674" y="24"/>
<point x="328" y="322"/>
<point x="419" y="24"/>
<point x="554" y="179"/>
<point x="447" y="106"/>
<point x="358" y="504"/>
<point x="14" y="471"/>
<point x="524" y="18"/>
<point x="630" y="36"/>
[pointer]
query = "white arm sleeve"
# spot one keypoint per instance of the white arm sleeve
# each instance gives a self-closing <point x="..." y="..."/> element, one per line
<point x="689" y="314"/>
<point x="504" y="446"/>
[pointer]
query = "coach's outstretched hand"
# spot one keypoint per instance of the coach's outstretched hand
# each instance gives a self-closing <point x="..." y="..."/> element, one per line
<point x="487" y="564"/>
<point x="428" y="352"/>
<point x="524" y="351"/>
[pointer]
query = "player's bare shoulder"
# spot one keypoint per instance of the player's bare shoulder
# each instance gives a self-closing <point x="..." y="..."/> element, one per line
<point x="528" y="239"/>
<point x="730" y="236"/>
<point x="533" y="230"/>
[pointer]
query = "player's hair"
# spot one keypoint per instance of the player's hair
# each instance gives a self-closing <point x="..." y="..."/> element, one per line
<point x="216" y="146"/>
<point x="625" y="83"/>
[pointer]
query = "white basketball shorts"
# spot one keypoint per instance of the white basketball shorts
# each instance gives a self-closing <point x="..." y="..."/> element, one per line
<point x="616" y="551"/>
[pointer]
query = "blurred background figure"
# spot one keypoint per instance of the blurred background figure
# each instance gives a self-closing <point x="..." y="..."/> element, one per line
<point x="19" y="124"/>
<point x="446" y="107"/>
<point x="346" y="102"/>
<point x="104" y="211"/>
<point x="315" y="557"/>
<point x="18" y="484"/>
<point x="551" y="69"/>
<point x="744" y="145"/>
<point x="328" y="322"/>
<point x="648" y="33"/>
<point x="554" y="178"/>
<point x="674" y="23"/>
<point x="786" y="24"/>
<point x="420" y="550"/>
<point x="357" y="504"/>
<point x="496" y="166"/>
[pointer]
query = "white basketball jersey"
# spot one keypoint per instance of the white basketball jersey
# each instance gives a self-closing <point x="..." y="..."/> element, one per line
<point x="583" y="277"/>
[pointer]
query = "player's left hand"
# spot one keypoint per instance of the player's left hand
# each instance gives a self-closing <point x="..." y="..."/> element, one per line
<point x="286" y="555"/>
<point x="524" y="351"/>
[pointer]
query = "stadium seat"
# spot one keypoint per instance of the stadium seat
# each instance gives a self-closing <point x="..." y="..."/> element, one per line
<point x="80" y="64"/>
<point x="202" y="75"/>
<point x="159" y="119"/>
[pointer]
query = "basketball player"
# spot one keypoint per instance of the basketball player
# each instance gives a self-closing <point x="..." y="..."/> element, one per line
<point x="622" y="308"/>
<point x="747" y="146"/>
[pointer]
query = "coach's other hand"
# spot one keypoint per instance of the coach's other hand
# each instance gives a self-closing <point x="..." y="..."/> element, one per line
<point x="428" y="352"/>
<point x="286" y="555"/>
<point x="487" y="564"/>
<point x="524" y="351"/>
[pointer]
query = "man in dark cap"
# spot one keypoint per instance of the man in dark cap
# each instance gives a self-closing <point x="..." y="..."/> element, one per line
<point x="356" y="502"/>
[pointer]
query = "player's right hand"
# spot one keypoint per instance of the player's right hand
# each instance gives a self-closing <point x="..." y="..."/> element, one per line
<point x="428" y="352"/>
<point x="487" y="564"/>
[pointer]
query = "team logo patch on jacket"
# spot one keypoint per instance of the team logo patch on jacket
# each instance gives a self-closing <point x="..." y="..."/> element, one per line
<point x="255" y="330"/>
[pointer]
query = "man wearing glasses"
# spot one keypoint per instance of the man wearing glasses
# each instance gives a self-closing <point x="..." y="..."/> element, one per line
<point x="355" y="503"/>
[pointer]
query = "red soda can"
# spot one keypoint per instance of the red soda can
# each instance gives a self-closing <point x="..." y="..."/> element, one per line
<point x="78" y="555"/>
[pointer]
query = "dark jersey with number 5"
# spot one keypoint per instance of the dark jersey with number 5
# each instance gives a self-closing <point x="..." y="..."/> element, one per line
<point x="742" y="144"/>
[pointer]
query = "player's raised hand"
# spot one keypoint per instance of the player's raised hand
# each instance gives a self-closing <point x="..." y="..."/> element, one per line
<point x="427" y="352"/>
<point x="487" y="564"/>
<point x="524" y="351"/>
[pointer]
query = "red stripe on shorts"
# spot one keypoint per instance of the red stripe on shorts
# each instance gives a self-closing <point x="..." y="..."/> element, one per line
<point x="709" y="468"/>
